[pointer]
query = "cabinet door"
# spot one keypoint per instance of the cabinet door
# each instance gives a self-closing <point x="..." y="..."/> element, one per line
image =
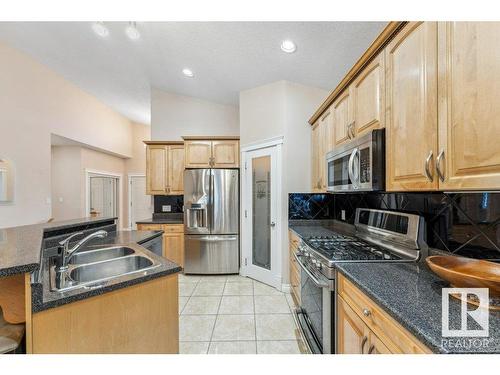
<point x="353" y="333"/>
<point x="176" y="169"/>
<point x="377" y="346"/>
<point x="325" y="145"/>
<point x="156" y="169"/>
<point x="173" y="247"/>
<point x="342" y="118"/>
<point x="368" y="97"/>
<point x="226" y="154"/>
<point x="315" y="152"/>
<point x="411" y="123"/>
<point x="198" y="154"/>
<point x="469" y="110"/>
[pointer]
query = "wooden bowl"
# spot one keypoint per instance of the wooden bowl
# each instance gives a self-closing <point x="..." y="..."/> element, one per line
<point x="463" y="272"/>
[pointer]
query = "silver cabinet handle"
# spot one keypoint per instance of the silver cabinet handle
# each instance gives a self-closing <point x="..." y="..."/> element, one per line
<point x="370" y="351"/>
<point x="438" y="165"/>
<point x="366" y="312"/>
<point x="427" y="166"/>
<point x="363" y="343"/>
<point x="351" y="127"/>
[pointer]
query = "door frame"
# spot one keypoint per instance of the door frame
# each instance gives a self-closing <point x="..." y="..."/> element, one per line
<point x="246" y="203"/>
<point x="129" y="199"/>
<point x="119" y="176"/>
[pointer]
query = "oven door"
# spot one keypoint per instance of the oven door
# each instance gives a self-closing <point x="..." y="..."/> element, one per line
<point x="315" y="315"/>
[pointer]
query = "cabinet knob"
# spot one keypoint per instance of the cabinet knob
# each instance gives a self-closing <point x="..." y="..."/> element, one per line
<point x="366" y="312"/>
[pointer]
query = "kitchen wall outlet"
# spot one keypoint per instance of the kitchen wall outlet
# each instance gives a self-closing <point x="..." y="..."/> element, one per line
<point x="166" y="208"/>
<point x="342" y="215"/>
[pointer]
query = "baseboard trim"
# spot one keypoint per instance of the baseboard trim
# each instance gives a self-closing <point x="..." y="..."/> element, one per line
<point x="286" y="288"/>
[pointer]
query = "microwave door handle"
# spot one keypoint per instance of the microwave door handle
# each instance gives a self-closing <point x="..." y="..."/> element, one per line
<point x="350" y="167"/>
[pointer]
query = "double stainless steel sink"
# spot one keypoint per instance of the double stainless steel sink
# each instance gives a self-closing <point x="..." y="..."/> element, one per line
<point x="92" y="269"/>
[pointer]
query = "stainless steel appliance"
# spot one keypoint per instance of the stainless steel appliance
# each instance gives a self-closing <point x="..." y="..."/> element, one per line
<point x="358" y="165"/>
<point x="211" y="221"/>
<point x="377" y="236"/>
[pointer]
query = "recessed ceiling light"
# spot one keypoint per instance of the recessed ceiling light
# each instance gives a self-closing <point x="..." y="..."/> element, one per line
<point x="100" y="29"/>
<point x="132" y="31"/>
<point x="188" y="72"/>
<point x="288" y="46"/>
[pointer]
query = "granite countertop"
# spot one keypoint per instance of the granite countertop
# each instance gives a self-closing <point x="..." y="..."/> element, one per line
<point x="164" y="218"/>
<point x="410" y="293"/>
<point x="43" y="298"/>
<point x="20" y="247"/>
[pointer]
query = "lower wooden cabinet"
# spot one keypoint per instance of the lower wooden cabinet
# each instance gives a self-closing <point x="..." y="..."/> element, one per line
<point x="364" y="328"/>
<point x="294" y="268"/>
<point x="173" y="240"/>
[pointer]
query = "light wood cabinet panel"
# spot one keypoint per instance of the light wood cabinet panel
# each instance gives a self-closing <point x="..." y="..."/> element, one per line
<point x="315" y="150"/>
<point x="225" y="154"/>
<point x="342" y="118"/>
<point x="396" y="338"/>
<point x="176" y="170"/>
<point x="198" y="154"/>
<point x="294" y="267"/>
<point x="142" y="318"/>
<point x="156" y="169"/>
<point x="376" y="345"/>
<point x="469" y="110"/>
<point x="368" y="97"/>
<point x="173" y="247"/>
<point x="325" y="145"/>
<point x="352" y="333"/>
<point x="411" y="123"/>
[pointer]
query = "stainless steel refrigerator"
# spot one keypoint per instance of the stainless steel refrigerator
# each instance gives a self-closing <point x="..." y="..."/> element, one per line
<point x="211" y="221"/>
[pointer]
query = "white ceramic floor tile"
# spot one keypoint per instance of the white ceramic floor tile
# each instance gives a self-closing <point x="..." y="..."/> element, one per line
<point x="232" y="347"/>
<point x="265" y="290"/>
<point x="202" y="305"/>
<point x="271" y="305"/>
<point x="186" y="289"/>
<point x="236" y="305"/>
<point x="278" y="347"/>
<point x="196" y="327"/>
<point x="238" y="279"/>
<point x="193" y="347"/>
<point x="275" y="327"/>
<point x="209" y="289"/>
<point x="182" y="303"/>
<point x="213" y="278"/>
<point x="188" y="278"/>
<point x="234" y="327"/>
<point x="238" y="289"/>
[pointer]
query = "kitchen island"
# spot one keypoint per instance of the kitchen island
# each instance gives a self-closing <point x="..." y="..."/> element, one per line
<point x="136" y="312"/>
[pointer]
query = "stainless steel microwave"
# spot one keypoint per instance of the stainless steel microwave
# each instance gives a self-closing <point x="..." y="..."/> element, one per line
<point x="358" y="165"/>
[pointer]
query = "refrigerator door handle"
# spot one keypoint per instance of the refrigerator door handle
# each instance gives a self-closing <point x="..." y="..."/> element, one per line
<point x="217" y="238"/>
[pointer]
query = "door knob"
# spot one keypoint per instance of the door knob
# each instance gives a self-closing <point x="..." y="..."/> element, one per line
<point x="273" y="224"/>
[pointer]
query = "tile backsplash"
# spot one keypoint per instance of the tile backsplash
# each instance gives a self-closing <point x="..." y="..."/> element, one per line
<point x="176" y="203"/>
<point x="467" y="224"/>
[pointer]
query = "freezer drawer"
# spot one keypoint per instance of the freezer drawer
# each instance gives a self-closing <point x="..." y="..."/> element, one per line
<point x="207" y="254"/>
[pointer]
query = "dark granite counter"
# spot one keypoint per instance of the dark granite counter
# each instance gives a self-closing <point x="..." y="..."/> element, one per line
<point x="411" y="294"/>
<point x="164" y="218"/>
<point x="20" y="247"/>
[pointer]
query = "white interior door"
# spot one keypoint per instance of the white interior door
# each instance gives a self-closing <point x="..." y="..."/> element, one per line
<point x="104" y="196"/>
<point x="141" y="207"/>
<point x="260" y="230"/>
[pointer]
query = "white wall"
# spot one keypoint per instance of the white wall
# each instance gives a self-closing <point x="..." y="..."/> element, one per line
<point x="173" y="116"/>
<point x="35" y="102"/>
<point x="282" y="109"/>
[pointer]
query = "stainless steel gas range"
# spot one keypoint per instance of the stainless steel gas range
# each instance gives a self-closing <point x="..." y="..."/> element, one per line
<point x="378" y="236"/>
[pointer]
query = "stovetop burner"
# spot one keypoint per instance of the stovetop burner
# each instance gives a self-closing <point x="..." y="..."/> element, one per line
<point x="339" y="247"/>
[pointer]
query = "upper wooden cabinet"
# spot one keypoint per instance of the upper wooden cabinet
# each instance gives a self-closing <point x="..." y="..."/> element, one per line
<point x="322" y="142"/>
<point x="211" y="152"/>
<point x="164" y="168"/>
<point x="342" y="118"/>
<point x="411" y="135"/>
<point x="368" y="97"/>
<point x="469" y="110"/>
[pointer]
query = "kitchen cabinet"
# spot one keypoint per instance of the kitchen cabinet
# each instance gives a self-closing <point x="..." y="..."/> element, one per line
<point x="212" y="152"/>
<point x="367" y="94"/>
<point x="411" y="125"/>
<point x="294" y="268"/>
<point x="365" y="328"/>
<point x="164" y="168"/>
<point x="173" y="240"/>
<point x="342" y="118"/>
<point x="322" y="143"/>
<point x="469" y="130"/>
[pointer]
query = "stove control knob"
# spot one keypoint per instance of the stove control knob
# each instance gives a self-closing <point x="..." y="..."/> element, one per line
<point x="306" y="254"/>
<point x="318" y="265"/>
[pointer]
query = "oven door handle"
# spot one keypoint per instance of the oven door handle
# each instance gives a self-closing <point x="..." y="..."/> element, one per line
<point x="309" y="273"/>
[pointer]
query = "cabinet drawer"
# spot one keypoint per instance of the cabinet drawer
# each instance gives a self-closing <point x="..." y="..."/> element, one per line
<point x="149" y="227"/>
<point x="173" y="228"/>
<point x="294" y="240"/>
<point x="392" y="334"/>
